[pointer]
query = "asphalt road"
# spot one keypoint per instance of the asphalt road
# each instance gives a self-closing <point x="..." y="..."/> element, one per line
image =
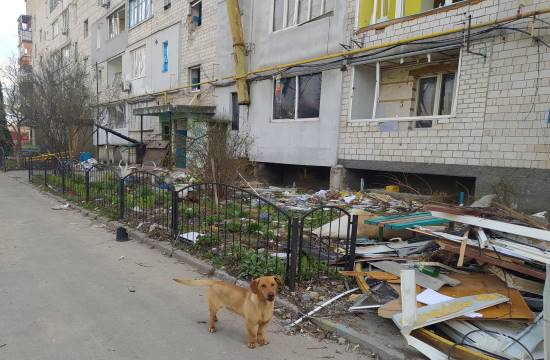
<point x="65" y="294"/>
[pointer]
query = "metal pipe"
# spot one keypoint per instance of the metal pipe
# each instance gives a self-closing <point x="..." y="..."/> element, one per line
<point x="239" y="49"/>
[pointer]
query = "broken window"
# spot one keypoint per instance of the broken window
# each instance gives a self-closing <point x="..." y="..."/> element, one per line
<point x="287" y="13"/>
<point x="139" y="11"/>
<point x="377" y="11"/>
<point x="195" y="78"/>
<point x="297" y="97"/>
<point x="165" y="56"/>
<point x="406" y="88"/>
<point x="138" y="62"/>
<point x="117" y="22"/>
<point x="196" y="13"/>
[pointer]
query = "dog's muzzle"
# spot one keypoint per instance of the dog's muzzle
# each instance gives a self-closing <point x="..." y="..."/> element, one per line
<point x="270" y="297"/>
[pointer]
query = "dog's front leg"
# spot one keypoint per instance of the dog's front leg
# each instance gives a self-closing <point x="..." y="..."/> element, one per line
<point x="262" y="340"/>
<point x="252" y="333"/>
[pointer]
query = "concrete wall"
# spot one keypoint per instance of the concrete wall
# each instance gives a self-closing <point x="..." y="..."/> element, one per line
<point x="285" y="142"/>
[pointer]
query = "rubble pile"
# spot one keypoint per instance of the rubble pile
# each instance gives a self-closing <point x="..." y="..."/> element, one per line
<point x="458" y="282"/>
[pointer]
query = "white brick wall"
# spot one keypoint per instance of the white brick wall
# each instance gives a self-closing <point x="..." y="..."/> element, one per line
<point x="499" y="120"/>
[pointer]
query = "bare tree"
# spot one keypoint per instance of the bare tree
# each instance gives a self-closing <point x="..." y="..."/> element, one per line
<point x="60" y="103"/>
<point x="6" y="142"/>
<point x="17" y="93"/>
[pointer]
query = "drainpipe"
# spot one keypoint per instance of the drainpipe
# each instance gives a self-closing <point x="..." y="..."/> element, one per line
<point x="239" y="49"/>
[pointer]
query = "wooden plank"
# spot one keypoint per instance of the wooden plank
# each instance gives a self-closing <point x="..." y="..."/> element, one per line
<point x="496" y="225"/>
<point x="444" y="345"/>
<point x="463" y="244"/>
<point x="433" y="314"/>
<point x="375" y="275"/>
<point x="408" y="298"/>
<point x="516" y="282"/>
<point x="360" y="280"/>
<point x="487" y="256"/>
<point x="423" y="280"/>
<point x="425" y="222"/>
<point x="476" y="284"/>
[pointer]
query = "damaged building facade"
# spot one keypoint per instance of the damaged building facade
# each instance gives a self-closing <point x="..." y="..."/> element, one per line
<point x="432" y="95"/>
<point x="453" y="93"/>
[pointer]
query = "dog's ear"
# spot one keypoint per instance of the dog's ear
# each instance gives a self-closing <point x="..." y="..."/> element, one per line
<point x="278" y="280"/>
<point x="254" y="286"/>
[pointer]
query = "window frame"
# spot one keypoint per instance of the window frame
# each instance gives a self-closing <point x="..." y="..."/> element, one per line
<point x="399" y="12"/>
<point x="134" y="18"/>
<point x="143" y="74"/>
<point x="296" y="99"/>
<point x="195" y="88"/>
<point x="374" y="119"/>
<point x="120" y="23"/>
<point x="53" y="5"/>
<point x="192" y="5"/>
<point x="295" y="21"/>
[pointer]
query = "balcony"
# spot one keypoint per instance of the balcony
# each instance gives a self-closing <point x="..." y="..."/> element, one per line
<point x="25" y="36"/>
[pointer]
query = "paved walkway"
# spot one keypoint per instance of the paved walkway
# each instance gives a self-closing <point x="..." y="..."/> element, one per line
<point x="65" y="294"/>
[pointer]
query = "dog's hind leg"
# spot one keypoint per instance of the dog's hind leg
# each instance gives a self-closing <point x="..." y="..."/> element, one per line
<point x="213" y="316"/>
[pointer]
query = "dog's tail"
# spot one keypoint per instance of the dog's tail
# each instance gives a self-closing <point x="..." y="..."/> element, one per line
<point x="191" y="282"/>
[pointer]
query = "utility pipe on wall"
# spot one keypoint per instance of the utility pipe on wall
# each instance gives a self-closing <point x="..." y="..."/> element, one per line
<point x="239" y="50"/>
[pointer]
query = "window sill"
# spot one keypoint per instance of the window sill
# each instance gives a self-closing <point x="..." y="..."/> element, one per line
<point x="385" y="24"/>
<point x="294" y="120"/>
<point x="439" y="119"/>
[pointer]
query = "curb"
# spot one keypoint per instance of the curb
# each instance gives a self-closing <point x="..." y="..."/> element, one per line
<point x="356" y="337"/>
<point x="205" y="268"/>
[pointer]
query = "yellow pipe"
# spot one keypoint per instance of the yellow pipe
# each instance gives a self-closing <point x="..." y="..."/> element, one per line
<point x="239" y="50"/>
<point x="348" y="53"/>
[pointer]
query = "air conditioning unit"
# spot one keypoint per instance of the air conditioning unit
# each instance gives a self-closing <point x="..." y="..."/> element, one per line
<point x="105" y="3"/>
<point x="126" y="86"/>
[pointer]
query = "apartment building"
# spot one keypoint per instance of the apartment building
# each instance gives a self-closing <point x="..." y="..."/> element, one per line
<point x="148" y="59"/>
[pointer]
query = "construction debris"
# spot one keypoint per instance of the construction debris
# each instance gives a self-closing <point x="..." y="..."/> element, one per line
<point x="477" y="278"/>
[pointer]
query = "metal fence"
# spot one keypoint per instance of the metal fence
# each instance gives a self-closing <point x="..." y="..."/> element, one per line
<point x="234" y="227"/>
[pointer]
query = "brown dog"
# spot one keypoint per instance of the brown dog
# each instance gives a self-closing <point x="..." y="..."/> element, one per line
<point x="254" y="304"/>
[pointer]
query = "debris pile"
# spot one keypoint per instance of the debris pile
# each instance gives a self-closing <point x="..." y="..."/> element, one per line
<point x="458" y="282"/>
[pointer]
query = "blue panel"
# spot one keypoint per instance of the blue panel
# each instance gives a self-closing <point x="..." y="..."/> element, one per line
<point x="181" y="155"/>
<point x="165" y="56"/>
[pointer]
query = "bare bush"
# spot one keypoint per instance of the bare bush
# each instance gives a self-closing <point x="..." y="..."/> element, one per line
<point x="216" y="154"/>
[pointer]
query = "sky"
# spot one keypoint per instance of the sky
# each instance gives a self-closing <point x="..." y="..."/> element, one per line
<point x="9" y="12"/>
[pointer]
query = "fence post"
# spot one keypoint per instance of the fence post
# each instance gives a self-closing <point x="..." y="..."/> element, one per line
<point x="87" y="184"/>
<point x="294" y="238"/>
<point x="45" y="172"/>
<point x="175" y="211"/>
<point x="63" y="173"/>
<point x="30" y="170"/>
<point x="352" y="242"/>
<point x="121" y="199"/>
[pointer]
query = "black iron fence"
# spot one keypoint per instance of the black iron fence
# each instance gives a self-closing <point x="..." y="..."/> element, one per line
<point x="234" y="227"/>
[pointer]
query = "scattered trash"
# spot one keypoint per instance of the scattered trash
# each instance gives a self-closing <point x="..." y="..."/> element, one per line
<point x="322" y="306"/>
<point x="191" y="236"/>
<point x="121" y="234"/>
<point x="131" y="289"/>
<point x="122" y="258"/>
<point x="62" y="207"/>
<point x="143" y="265"/>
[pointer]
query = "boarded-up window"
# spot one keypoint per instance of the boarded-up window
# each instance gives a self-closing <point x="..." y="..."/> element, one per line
<point x="138" y="62"/>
